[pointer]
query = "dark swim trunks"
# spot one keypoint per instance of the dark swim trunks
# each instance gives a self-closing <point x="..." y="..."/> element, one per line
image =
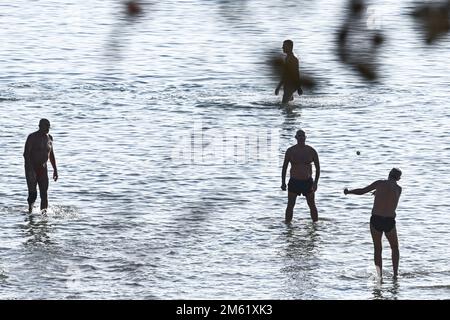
<point x="382" y="224"/>
<point x="300" y="186"/>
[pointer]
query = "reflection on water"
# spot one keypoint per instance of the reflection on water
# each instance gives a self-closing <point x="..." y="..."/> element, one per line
<point x="386" y="289"/>
<point x="37" y="230"/>
<point x="291" y="123"/>
<point x="301" y="241"/>
<point x="300" y="259"/>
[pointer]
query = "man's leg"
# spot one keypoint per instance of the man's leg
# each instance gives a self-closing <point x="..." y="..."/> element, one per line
<point x="312" y="206"/>
<point x="30" y="175"/>
<point x="393" y="242"/>
<point x="43" y="187"/>
<point x="288" y="94"/>
<point x="377" y="254"/>
<point x="292" y="197"/>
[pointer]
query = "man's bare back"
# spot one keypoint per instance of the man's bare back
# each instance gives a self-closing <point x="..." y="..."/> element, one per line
<point x="37" y="150"/>
<point x="387" y="195"/>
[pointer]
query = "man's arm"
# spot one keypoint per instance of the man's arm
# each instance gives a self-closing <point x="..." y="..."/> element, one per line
<point x="277" y="90"/>
<point x="284" y="170"/>
<point x="27" y="152"/>
<point x="362" y="190"/>
<point x="53" y="162"/>
<point x="317" y="166"/>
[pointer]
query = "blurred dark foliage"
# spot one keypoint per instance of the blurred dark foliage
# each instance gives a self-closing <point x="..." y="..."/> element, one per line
<point x="434" y="19"/>
<point x="133" y="8"/>
<point x="357" y="46"/>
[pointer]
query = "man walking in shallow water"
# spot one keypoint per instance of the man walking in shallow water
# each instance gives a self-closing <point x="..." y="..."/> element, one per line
<point x="387" y="193"/>
<point x="290" y="79"/>
<point x="301" y="182"/>
<point x="38" y="150"/>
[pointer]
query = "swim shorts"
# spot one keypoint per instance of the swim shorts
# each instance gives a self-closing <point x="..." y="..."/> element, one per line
<point x="300" y="186"/>
<point x="382" y="224"/>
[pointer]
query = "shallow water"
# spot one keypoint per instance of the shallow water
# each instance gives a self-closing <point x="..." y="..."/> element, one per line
<point x="162" y="192"/>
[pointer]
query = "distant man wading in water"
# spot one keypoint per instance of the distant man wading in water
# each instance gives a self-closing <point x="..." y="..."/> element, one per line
<point x="38" y="149"/>
<point x="300" y="157"/>
<point x="387" y="193"/>
<point x="290" y="79"/>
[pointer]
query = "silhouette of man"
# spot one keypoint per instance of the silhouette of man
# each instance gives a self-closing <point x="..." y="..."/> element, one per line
<point x="39" y="149"/>
<point x="387" y="193"/>
<point x="300" y="156"/>
<point x="290" y="79"/>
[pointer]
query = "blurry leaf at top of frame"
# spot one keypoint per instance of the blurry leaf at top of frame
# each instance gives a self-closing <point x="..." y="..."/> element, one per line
<point x="434" y="19"/>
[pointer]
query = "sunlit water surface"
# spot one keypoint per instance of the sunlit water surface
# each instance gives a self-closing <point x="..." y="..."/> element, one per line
<point x="158" y="199"/>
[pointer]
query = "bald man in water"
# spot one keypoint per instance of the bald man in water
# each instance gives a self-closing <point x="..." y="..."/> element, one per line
<point x="387" y="194"/>
<point x="38" y="150"/>
<point x="300" y="156"/>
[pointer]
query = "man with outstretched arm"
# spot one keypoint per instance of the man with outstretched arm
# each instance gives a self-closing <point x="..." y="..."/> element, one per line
<point x="387" y="193"/>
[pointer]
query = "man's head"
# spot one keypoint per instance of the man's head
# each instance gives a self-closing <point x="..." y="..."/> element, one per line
<point x="44" y="125"/>
<point x="395" y="174"/>
<point x="300" y="136"/>
<point x="288" y="46"/>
